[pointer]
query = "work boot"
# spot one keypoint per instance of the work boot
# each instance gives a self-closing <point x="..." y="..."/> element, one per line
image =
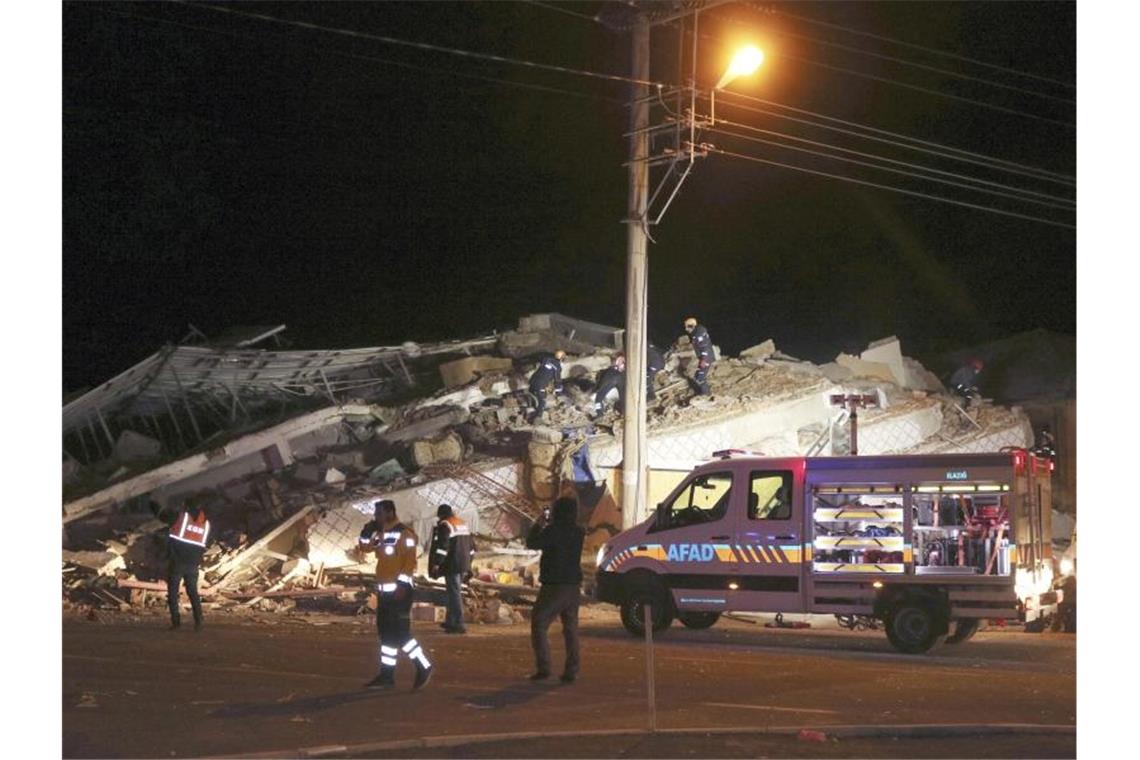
<point x="385" y="680"/>
<point x="423" y="675"/>
<point x="175" y="624"/>
<point x="540" y="675"/>
<point x="568" y="678"/>
<point x="197" y="622"/>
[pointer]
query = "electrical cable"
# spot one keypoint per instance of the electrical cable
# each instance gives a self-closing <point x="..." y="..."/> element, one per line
<point x="923" y="48"/>
<point x="563" y="10"/>
<point x="975" y="206"/>
<point x="888" y="169"/>
<point x="372" y="59"/>
<point x="422" y="45"/>
<point x="1062" y="202"/>
<point x="947" y="151"/>
<point x="901" y="61"/>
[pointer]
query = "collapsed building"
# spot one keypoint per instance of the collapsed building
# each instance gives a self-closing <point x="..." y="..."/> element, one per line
<point x="296" y="446"/>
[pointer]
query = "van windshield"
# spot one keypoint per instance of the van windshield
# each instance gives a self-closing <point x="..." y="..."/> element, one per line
<point x="704" y="499"/>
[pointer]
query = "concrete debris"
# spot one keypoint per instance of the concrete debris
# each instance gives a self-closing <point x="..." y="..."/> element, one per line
<point x="134" y="447"/>
<point x="292" y="498"/>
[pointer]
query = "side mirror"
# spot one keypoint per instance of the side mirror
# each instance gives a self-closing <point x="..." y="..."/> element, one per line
<point x="661" y="516"/>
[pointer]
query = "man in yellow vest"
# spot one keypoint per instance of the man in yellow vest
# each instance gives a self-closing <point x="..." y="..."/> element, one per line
<point x="186" y="543"/>
<point x="395" y="547"/>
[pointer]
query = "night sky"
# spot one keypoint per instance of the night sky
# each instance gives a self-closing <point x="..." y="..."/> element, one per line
<point x="220" y="170"/>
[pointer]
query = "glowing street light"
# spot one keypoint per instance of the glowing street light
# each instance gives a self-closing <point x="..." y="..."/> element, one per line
<point x="744" y="63"/>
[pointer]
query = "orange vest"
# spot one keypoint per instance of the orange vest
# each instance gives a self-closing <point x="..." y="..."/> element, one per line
<point x="191" y="530"/>
<point x="395" y="555"/>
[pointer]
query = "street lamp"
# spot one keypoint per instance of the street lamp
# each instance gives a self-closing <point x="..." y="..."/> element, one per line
<point x="743" y="64"/>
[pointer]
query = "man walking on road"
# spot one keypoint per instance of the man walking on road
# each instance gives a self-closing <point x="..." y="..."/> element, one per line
<point x="185" y="546"/>
<point x="395" y="547"/>
<point x="450" y="556"/>
<point x="560" y="573"/>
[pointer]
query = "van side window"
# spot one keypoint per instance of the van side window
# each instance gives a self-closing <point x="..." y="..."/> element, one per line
<point x="704" y="499"/>
<point x="770" y="496"/>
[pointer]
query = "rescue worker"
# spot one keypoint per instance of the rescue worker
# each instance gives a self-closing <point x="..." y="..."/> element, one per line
<point x="964" y="381"/>
<point x="612" y="378"/>
<point x="560" y="573"/>
<point x="702" y="348"/>
<point x="395" y="547"/>
<point x="549" y="370"/>
<point x="1046" y="444"/>
<point x="450" y="556"/>
<point x="654" y="363"/>
<point x="185" y="546"/>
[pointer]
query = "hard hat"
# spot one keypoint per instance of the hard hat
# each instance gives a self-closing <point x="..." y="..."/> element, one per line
<point x="559" y="354"/>
<point x="690" y="322"/>
<point x="977" y="363"/>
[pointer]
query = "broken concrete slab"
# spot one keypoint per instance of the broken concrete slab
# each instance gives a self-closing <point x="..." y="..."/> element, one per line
<point x="758" y="353"/>
<point x="861" y="368"/>
<point x="888" y="351"/>
<point x="103" y="563"/>
<point x="470" y="368"/>
<point x="333" y="475"/>
<point x="387" y="471"/>
<point x="307" y="472"/>
<point x="443" y="417"/>
<point x="135" y="447"/>
<point x="836" y="373"/>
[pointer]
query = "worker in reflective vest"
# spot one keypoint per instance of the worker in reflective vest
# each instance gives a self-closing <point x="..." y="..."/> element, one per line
<point x="185" y="545"/>
<point x="395" y="547"/>
<point x="450" y="556"/>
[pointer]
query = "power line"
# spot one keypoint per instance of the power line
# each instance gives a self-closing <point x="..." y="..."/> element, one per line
<point x="920" y="47"/>
<point x="423" y="45"/>
<point x="563" y="10"/>
<point x="975" y="206"/>
<point x="946" y="151"/>
<point x="905" y="62"/>
<point x="903" y="172"/>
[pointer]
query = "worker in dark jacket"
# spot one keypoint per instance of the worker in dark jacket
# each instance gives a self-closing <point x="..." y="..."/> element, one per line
<point x="560" y="573"/>
<point x="612" y="378"/>
<point x="964" y="381"/>
<point x="702" y="347"/>
<point x="654" y="363"/>
<point x="185" y="544"/>
<point x="549" y="371"/>
<point x="450" y="556"/>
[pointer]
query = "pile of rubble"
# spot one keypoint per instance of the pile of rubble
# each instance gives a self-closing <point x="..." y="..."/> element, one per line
<point x="294" y="495"/>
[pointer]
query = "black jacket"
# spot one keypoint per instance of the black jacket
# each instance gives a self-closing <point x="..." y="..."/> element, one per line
<point x="654" y="359"/>
<point x="549" y="370"/>
<point x="702" y="342"/>
<point x="451" y="548"/>
<point x="561" y="544"/>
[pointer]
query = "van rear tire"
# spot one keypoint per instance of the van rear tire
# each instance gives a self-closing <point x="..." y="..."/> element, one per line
<point x="913" y="628"/>
<point x="698" y="620"/>
<point x="964" y="630"/>
<point x="633" y="610"/>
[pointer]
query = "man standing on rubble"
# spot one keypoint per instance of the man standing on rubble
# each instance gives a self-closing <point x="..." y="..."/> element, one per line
<point x="549" y="370"/>
<point x="560" y="573"/>
<point x="612" y="378"/>
<point x="185" y="544"/>
<point x="964" y="381"/>
<point x="450" y="556"/>
<point x="702" y="347"/>
<point x="395" y="547"/>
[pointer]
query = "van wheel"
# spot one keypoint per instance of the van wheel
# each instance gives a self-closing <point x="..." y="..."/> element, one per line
<point x="633" y="610"/>
<point x="964" y="630"/>
<point x="912" y="628"/>
<point x="698" y="620"/>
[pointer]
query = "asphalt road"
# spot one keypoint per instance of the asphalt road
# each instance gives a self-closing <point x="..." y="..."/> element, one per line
<point x="280" y="685"/>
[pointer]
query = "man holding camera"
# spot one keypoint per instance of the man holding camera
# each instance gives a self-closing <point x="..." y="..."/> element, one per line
<point x="560" y="572"/>
<point x="450" y="556"/>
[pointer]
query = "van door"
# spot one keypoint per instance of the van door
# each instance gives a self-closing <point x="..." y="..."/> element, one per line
<point x="693" y="537"/>
<point x="769" y="544"/>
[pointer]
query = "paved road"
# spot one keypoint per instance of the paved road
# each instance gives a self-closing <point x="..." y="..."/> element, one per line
<point x="277" y="685"/>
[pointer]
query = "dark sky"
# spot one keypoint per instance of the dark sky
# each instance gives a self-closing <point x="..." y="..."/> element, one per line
<point x="222" y="170"/>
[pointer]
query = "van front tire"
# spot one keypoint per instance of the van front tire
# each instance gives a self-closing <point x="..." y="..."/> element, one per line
<point x="633" y="610"/>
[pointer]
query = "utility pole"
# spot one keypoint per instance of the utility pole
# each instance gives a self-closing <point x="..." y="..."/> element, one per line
<point x="634" y="469"/>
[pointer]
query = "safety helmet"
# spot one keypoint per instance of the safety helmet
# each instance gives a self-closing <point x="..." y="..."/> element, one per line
<point x="559" y="354"/>
<point x="690" y="323"/>
<point x="977" y="363"/>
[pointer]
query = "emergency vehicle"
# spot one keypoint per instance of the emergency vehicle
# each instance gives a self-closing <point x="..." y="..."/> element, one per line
<point x="926" y="546"/>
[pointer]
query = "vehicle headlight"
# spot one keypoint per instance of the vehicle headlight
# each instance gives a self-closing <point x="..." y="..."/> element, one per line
<point x="1066" y="566"/>
<point x="601" y="555"/>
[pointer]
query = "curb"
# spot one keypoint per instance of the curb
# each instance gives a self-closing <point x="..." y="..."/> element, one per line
<point x="919" y="730"/>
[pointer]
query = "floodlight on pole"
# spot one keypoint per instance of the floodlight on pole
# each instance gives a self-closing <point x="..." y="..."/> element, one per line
<point x="743" y="64"/>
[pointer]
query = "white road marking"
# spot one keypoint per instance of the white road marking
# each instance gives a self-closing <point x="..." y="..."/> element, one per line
<point x="771" y="707"/>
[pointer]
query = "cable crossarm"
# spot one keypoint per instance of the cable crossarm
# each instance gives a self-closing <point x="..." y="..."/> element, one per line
<point x="913" y="143"/>
<point x="844" y="178"/>
<point x="1051" y="200"/>
<point x="807" y="19"/>
<point x="422" y="45"/>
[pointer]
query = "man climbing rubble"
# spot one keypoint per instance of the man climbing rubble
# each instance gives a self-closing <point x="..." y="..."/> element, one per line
<point x="611" y="379"/>
<point x="450" y="556"/>
<point x="395" y="547"/>
<point x="185" y="544"/>
<point x="702" y="348"/>
<point x="549" y="371"/>
<point x="964" y="381"/>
